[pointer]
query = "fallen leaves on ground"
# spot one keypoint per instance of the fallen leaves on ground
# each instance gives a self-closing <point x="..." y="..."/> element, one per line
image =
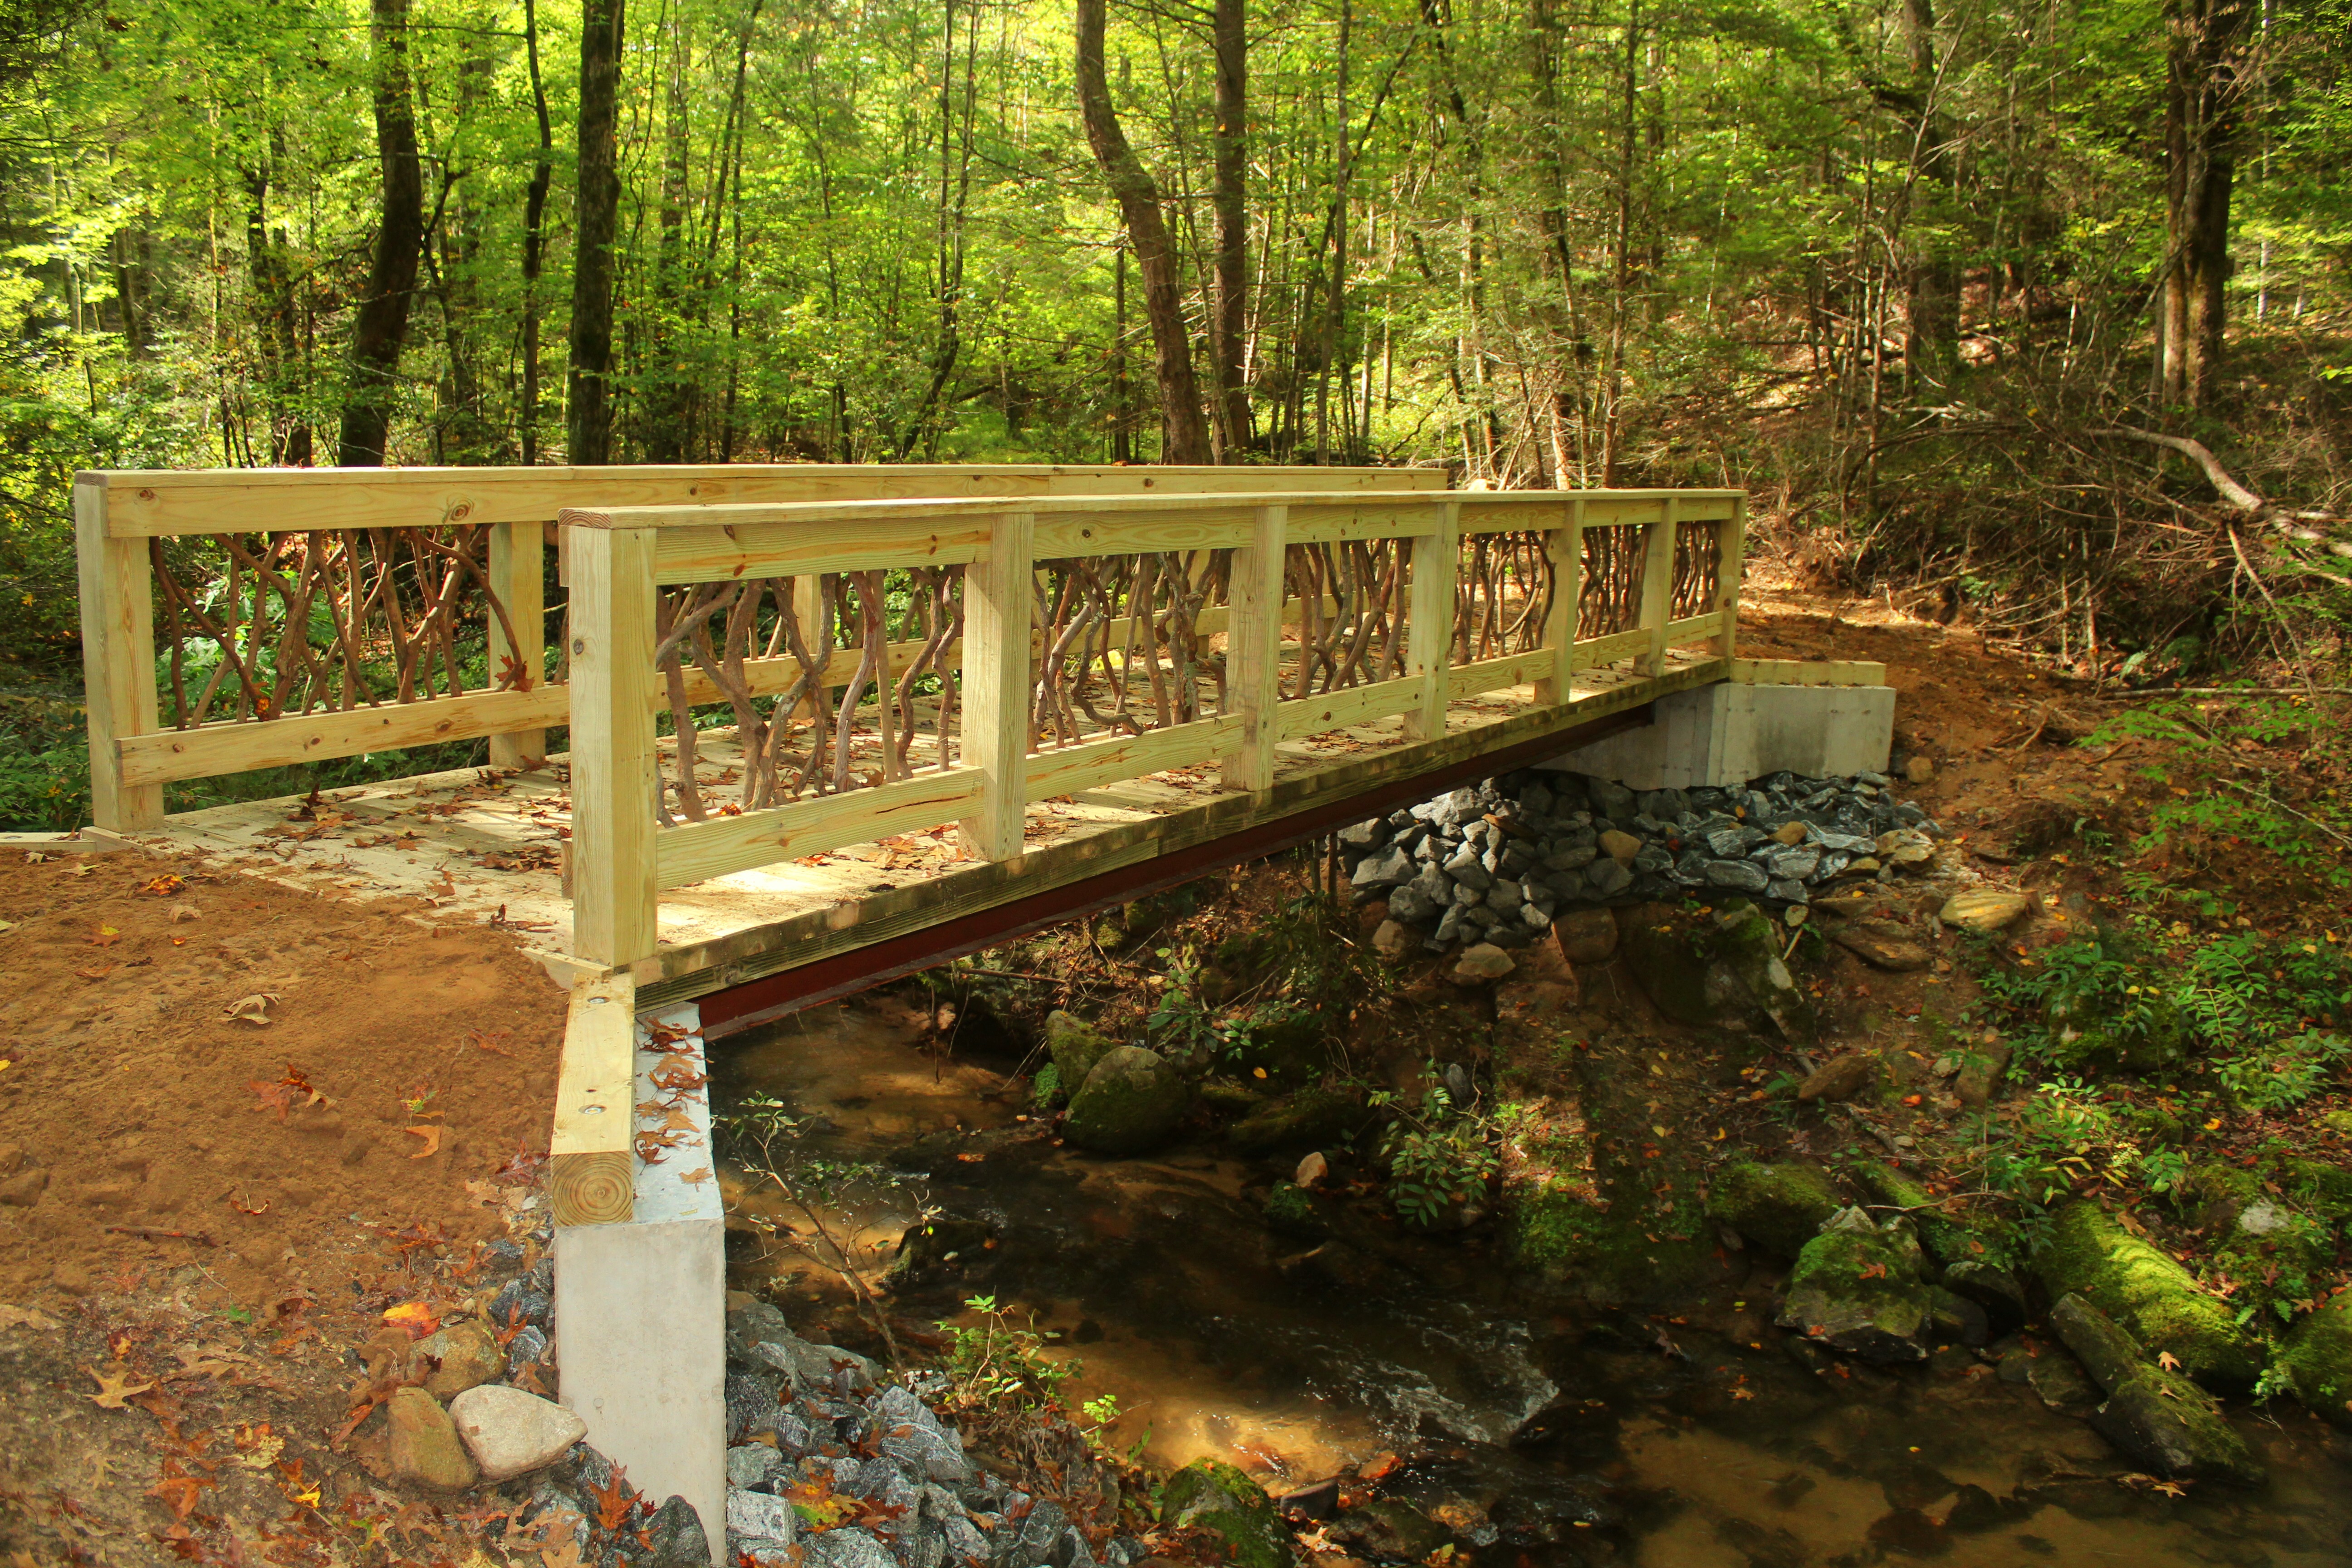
<point x="284" y="1095"/>
<point x="115" y="1390"/>
<point x="432" y="1136"/>
<point x="253" y="1009"/>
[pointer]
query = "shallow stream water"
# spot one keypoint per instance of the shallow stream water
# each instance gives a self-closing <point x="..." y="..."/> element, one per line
<point x="1677" y="1441"/>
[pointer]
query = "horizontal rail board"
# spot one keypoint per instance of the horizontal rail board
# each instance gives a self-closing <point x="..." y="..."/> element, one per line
<point x="700" y="850"/>
<point x="1093" y="764"/>
<point x="1609" y="649"/>
<point x="242" y="746"/>
<point x="1358" y="520"/>
<point x="791" y="550"/>
<point x="1351" y="705"/>
<point x="1807" y="672"/>
<point x="1694" y="627"/>
<point x="150" y="504"/>
<point x="1193" y="528"/>
<point x="1499" y="674"/>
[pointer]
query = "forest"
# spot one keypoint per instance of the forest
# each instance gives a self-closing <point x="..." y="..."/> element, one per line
<point x="2034" y="313"/>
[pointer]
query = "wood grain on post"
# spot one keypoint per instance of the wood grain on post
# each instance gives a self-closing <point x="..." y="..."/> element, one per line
<point x="118" y="653"/>
<point x="1253" y="650"/>
<point x="997" y="593"/>
<point x="613" y="780"/>
<point x="1565" y="548"/>
<point x="1731" y="546"/>
<point x="518" y="642"/>
<point x="1429" y="621"/>
<point x="592" y="1168"/>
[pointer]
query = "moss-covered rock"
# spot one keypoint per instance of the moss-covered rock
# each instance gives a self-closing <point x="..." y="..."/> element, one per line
<point x="1859" y="1286"/>
<point x="1076" y="1046"/>
<point x="1726" y="972"/>
<point x="1217" y="1498"/>
<point x="1290" y="1209"/>
<point x="1310" y="1118"/>
<point x="2147" y="1294"/>
<point x="1778" y="1207"/>
<point x="2157" y="1417"/>
<point x="1389" y="1530"/>
<point x="1973" y="1254"/>
<point x="1575" y="1247"/>
<point x="2323" y="1188"/>
<point x="2316" y="1360"/>
<point x="1130" y="1102"/>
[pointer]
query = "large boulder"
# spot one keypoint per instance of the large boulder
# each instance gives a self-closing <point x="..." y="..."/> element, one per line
<point x="1725" y="972"/>
<point x="1217" y="1498"/>
<point x="1130" y="1102"/>
<point x="1858" y="1288"/>
<point x="1076" y="1046"/>
<point x="1310" y="1118"/>
<point x="1778" y="1207"/>
<point x="2149" y="1294"/>
<point x="2316" y="1360"/>
<point x="2160" y="1419"/>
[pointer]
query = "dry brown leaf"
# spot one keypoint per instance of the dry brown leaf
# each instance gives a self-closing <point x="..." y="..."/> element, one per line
<point x="25" y="1318"/>
<point x="696" y="1177"/>
<point x="432" y="1136"/>
<point x="114" y="1391"/>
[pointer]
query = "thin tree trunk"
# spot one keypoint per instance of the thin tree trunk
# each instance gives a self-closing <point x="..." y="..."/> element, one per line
<point x="1231" y="197"/>
<point x="380" y="325"/>
<point x="534" y="236"/>
<point x="670" y="410"/>
<point x="1184" y="432"/>
<point x="590" y="425"/>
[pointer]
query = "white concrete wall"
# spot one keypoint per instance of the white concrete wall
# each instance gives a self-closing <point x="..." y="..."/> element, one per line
<point x="641" y="1314"/>
<point x="1726" y="735"/>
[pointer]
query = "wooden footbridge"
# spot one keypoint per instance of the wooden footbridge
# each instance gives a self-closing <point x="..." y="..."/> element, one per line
<point x="819" y="725"/>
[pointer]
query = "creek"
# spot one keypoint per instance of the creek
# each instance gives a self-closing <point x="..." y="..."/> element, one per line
<point x="1684" y="1439"/>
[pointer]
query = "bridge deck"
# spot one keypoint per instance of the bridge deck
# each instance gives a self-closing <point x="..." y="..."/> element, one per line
<point x="490" y="845"/>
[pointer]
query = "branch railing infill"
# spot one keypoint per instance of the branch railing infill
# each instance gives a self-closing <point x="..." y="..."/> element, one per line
<point x="904" y="664"/>
<point x="316" y="613"/>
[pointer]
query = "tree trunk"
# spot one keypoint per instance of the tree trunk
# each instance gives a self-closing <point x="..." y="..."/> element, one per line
<point x="669" y="396"/>
<point x="382" y="323"/>
<point x="590" y="434"/>
<point x="2203" y="94"/>
<point x="1184" y="432"/>
<point x="1932" y="308"/>
<point x="1229" y="340"/>
<point x="534" y="236"/>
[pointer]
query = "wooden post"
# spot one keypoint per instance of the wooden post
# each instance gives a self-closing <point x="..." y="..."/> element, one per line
<point x="1429" y="622"/>
<point x="1566" y="547"/>
<point x="592" y="1169"/>
<point x="1658" y="587"/>
<point x="1731" y="544"/>
<point x="996" y="685"/>
<point x="1253" y="650"/>
<point x="614" y="786"/>
<point x="117" y="657"/>
<point x="517" y="561"/>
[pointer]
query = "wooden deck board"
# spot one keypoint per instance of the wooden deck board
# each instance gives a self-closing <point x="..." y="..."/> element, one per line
<point x="445" y="839"/>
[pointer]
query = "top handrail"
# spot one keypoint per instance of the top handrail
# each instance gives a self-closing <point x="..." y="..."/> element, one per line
<point x="736" y="514"/>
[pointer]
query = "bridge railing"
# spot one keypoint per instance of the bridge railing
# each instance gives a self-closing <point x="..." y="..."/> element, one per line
<point x="899" y="667"/>
<point x="314" y="614"/>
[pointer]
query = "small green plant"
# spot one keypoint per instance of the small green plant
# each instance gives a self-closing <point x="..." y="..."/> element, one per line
<point x="1046" y="1086"/>
<point x="998" y="1364"/>
<point x="1441" y="1157"/>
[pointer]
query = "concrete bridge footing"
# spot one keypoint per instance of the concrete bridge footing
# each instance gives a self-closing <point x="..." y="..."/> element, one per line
<point x="1726" y="735"/>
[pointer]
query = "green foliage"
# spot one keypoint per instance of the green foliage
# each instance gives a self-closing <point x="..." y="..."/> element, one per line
<point x="1045" y="1088"/>
<point x="998" y="1364"/>
<point x="1441" y="1157"/>
<point x="2265" y="1018"/>
<point x="2205" y="805"/>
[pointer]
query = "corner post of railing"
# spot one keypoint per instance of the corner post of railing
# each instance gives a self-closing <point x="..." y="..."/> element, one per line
<point x="997" y="590"/>
<point x="1566" y="547"/>
<point x="1429" y="621"/>
<point x="1253" y="650"/>
<point x="1731" y="546"/>
<point x="117" y="654"/>
<point x="614" y="780"/>
<point x="1658" y="585"/>
<point x="518" y="639"/>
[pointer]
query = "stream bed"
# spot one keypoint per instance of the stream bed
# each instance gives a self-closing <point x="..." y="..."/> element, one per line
<point x="1685" y="1439"/>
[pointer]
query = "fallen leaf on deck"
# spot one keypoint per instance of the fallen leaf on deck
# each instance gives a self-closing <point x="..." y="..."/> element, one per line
<point x="114" y="1393"/>
<point x="432" y="1136"/>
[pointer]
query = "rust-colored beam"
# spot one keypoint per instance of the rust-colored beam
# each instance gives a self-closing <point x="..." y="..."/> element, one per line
<point x="773" y="996"/>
